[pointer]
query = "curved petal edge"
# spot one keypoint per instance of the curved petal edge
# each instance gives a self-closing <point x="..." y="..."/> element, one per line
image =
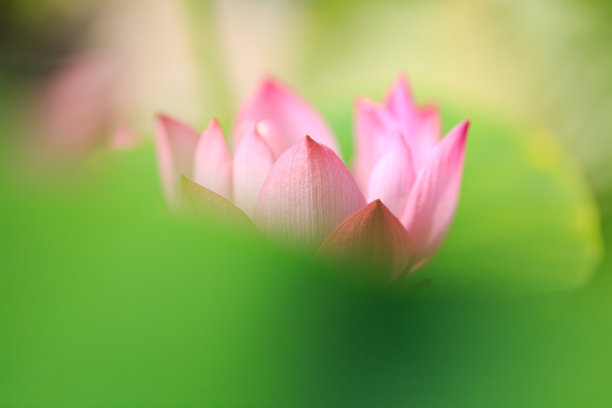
<point x="433" y="199"/>
<point x="176" y="143"/>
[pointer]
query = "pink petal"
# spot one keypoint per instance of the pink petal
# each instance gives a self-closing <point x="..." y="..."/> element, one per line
<point x="420" y="127"/>
<point x="400" y="104"/>
<point x="375" y="127"/>
<point x="307" y="194"/>
<point x="428" y="130"/>
<point x="176" y="143"/>
<point x="253" y="160"/>
<point x="372" y="236"/>
<point x="287" y="116"/>
<point x="433" y="199"/>
<point x="200" y="201"/>
<point x="212" y="166"/>
<point x="392" y="177"/>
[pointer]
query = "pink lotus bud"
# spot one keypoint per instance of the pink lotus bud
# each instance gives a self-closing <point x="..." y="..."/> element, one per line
<point x="297" y="189"/>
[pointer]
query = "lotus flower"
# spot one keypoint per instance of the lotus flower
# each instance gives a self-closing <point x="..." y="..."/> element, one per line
<point x="402" y="161"/>
<point x="286" y="176"/>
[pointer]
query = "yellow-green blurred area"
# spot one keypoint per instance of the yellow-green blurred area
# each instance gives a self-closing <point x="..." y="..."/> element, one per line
<point x="107" y="299"/>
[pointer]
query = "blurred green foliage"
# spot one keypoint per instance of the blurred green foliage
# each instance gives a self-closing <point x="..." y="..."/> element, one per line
<point x="108" y="300"/>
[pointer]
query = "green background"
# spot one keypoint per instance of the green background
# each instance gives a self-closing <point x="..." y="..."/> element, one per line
<point x="107" y="299"/>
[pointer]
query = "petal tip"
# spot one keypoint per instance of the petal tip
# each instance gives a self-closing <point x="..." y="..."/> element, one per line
<point x="270" y="84"/>
<point x="463" y="128"/>
<point x="378" y="209"/>
<point x="399" y="96"/>
<point x="401" y="82"/>
<point x="364" y="102"/>
<point x="165" y="118"/>
<point x="311" y="145"/>
<point x="168" y="122"/>
<point x="430" y="109"/>
<point x="213" y="124"/>
<point x="401" y="79"/>
<point x="367" y="104"/>
<point x="308" y="143"/>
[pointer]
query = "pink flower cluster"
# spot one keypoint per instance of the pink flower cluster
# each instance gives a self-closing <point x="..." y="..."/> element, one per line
<point x="287" y="177"/>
